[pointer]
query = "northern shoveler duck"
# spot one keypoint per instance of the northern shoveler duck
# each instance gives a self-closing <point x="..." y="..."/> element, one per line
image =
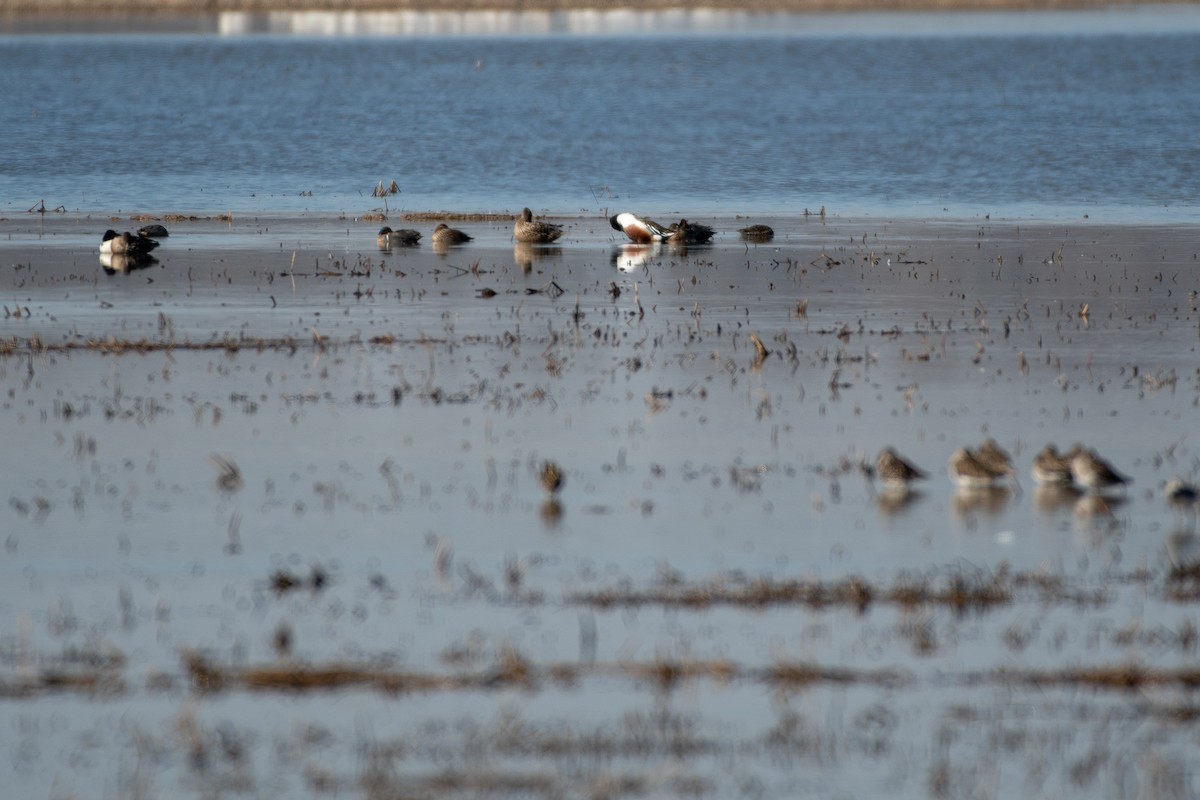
<point x="969" y="471"/>
<point x="757" y="233"/>
<point x="154" y="231"/>
<point x="640" y="231"/>
<point x="684" y="232"/>
<point x="126" y="244"/>
<point x="444" y="235"/>
<point x="388" y="238"/>
<point x="1051" y="467"/>
<point x="534" y="231"/>
<point x="895" y="471"/>
<point x="1094" y="474"/>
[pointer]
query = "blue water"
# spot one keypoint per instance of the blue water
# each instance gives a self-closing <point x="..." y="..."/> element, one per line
<point x="1012" y="119"/>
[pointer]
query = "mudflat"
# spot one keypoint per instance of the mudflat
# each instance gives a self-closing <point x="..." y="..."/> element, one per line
<point x="593" y="517"/>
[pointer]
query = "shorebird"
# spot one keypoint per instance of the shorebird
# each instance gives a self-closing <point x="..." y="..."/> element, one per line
<point x="528" y="229"/>
<point x="1052" y="467"/>
<point x="641" y="231"/>
<point x="996" y="458"/>
<point x="444" y="235"/>
<point x="895" y="472"/>
<point x="969" y="471"/>
<point x="1180" y="493"/>
<point x="388" y="238"/>
<point x="551" y="477"/>
<point x="757" y="233"/>
<point x="684" y="232"/>
<point x="126" y="244"/>
<point x="1095" y="474"/>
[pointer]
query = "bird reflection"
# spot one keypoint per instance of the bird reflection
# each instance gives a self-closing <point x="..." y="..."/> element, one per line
<point x="892" y="502"/>
<point x="114" y="263"/>
<point x="1182" y="550"/>
<point x="633" y="257"/>
<point x="1097" y="506"/>
<point x="551" y="511"/>
<point x="981" y="499"/>
<point x="1051" y="498"/>
<point x="526" y="253"/>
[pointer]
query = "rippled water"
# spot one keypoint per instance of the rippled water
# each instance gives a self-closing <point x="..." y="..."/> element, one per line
<point x="896" y="114"/>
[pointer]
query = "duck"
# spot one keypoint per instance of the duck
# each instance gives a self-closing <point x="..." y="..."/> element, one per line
<point x="528" y="229"/>
<point x="757" y="233"/>
<point x="639" y="231"/>
<point x="153" y="231"/>
<point x="684" y="232"/>
<point x="126" y="244"/>
<point x="895" y="471"/>
<point x="444" y="235"/>
<point x="388" y="238"/>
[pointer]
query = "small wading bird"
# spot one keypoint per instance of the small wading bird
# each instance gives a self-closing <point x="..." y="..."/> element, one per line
<point x="968" y="471"/>
<point x="1093" y="473"/>
<point x="528" y="229"/>
<point x="1051" y="467"/>
<point x="895" y="472"/>
<point x="684" y="232"/>
<point x="996" y="458"/>
<point x="126" y="244"/>
<point x="388" y="238"/>
<point x="641" y="231"/>
<point x="444" y="235"/>
<point x="551" y="477"/>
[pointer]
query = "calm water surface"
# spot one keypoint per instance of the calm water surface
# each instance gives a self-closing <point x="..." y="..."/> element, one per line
<point x="386" y="416"/>
<point x="1004" y="114"/>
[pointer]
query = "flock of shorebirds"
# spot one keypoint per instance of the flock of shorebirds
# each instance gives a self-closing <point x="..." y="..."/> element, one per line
<point x="990" y="466"/>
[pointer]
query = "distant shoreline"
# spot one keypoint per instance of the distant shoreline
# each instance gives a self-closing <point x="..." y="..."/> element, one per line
<point x="94" y="8"/>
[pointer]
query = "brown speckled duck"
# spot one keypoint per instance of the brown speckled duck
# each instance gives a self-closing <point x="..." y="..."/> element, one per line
<point x="534" y="231"/>
<point x="444" y="235"/>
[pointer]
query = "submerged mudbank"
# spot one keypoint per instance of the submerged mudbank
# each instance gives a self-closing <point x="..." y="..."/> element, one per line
<point x="283" y="497"/>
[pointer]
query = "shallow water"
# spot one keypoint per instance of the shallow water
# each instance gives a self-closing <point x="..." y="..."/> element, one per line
<point x="937" y="115"/>
<point x="387" y="423"/>
<point x="275" y="399"/>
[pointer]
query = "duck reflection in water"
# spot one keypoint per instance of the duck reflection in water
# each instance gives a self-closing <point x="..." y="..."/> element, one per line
<point x="118" y="263"/>
<point x="633" y="257"/>
<point x="525" y="254"/>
